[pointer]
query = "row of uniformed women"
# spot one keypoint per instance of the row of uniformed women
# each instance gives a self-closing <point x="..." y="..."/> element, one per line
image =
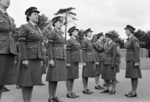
<point x="30" y="46"/>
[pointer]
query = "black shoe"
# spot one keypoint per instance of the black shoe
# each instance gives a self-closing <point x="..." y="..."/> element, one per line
<point x="131" y="95"/>
<point x="70" y="96"/>
<point x="18" y="87"/>
<point x="105" y="91"/>
<point x="117" y="81"/>
<point x="50" y="100"/>
<point x="99" y="87"/>
<point x="112" y="92"/>
<point x="56" y="99"/>
<point x="74" y="94"/>
<point x="87" y="91"/>
<point x="128" y="94"/>
<point x="104" y="84"/>
<point x="5" y="89"/>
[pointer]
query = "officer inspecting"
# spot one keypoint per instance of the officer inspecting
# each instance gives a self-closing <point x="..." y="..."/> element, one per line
<point x="57" y="55"/>
<point x="30" y="46"/>
<point x="73" y="58"/>
<point x="133" y="70"/>
<point x="7" y="47"/>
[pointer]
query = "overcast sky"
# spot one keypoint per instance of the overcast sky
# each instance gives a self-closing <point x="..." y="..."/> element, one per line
<point x="99" y="15"/>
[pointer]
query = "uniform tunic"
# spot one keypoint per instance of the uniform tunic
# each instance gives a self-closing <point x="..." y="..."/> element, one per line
<point x="56" y="51"/>
<point x="30" y="47"/>
<point x="44" y="60"/>
<point x="73" y="58"/>
<point x="88" y="57"/>
<point x="109" y="72"/>
<point x="133" y="56"/>
<point x="7" y="50"/>
<point x="118" y="61"/>
<point x="99" y="55"/>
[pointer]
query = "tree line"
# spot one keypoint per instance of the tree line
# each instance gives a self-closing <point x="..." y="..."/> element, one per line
<point x="70" y="17"/>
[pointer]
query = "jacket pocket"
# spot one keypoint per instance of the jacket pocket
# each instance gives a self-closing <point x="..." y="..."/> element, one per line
<point x="59" y="53"/>
<point x="3" y="42"/>
<point x="107" y="61"/>
<point x="90" y="57"/>
<point x="129" y="56"/>
<point x="75" y="56"/>
<point x="32" y="51"/>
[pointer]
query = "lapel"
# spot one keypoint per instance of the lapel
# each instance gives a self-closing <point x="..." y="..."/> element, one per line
<point x="32" y="26"/>
<point x="38" y="29"/>
<point x="58" y="32"/>
<point x="6" y="16"/>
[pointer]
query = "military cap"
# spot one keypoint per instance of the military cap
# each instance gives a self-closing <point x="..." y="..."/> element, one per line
<point x="129" y="27"/>
<point x="30" y="10"/>
<point x="110" y="35"/>
<point x="99" y="35"/>
<point x="71" y="30"/>
<point x="88" y="30"/>
<point x="57" y="18"/>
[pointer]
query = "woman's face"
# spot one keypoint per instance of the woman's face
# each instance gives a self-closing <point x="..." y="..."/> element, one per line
<point x="5" y="3"/>
<point x="58" y="24"/>
<point x="75" y="33"/>
<point x="127" y="31"/>
<point x="34" y="17"/>
<point x="107" y="39"/>
<point x="89" y="34"/>
<point x="101" y="38"/>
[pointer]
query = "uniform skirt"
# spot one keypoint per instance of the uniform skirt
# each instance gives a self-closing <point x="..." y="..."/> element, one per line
<point x="132" y="71"/>
<point x="7" y="69"/>
<point x="88" y="70"/>
<point x="31" y="75"/>
<point x="73" y="71"/>
<point x="98" y="70"/>
<point x="117" y="68"/>
<point x="43" y="70"/>
<point x="108" y="73"/>
<point x="58" y="72"/>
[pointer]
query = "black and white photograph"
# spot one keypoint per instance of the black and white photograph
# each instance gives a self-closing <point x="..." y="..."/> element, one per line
<point x="74" y="50"/>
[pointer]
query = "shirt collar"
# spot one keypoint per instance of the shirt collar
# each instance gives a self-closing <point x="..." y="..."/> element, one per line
<point x="73" y="37"/>
<point x="32" y="23"/>
<point x="109" y="41"/>
<point x="130" y="36"/>
<point x="2" y="10"/>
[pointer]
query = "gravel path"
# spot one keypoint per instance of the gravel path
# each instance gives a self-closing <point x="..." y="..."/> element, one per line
<point x="40" y="93"/>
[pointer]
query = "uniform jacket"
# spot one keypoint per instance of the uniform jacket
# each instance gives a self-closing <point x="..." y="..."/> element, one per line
<point x="133" y="50"/>
<point x="56" y="44"/>
<point x="7" y="30"/>
<point x="118" y="59"/>
<point x="88" y="54"/>
<point x="99" y="51"/>
<point x="73" y="49"/>
<point x="110" y="54"/>
<point x="30" y="42"/>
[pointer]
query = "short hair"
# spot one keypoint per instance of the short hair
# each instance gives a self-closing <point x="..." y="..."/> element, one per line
<point x="27" y="18"/>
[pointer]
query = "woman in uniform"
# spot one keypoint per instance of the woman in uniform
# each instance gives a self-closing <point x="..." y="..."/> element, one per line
<point x="88" y="58"/>
<point x="7" y="47"/>
<point x="133" y="70"/>
<point x="99" y="55"/>
<point x="109" y="71"/>
<point x="30" y="38"/>
<point x="73" y="59"/>
<point x="57" y="55"/>
<point x="118" y="61"/>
